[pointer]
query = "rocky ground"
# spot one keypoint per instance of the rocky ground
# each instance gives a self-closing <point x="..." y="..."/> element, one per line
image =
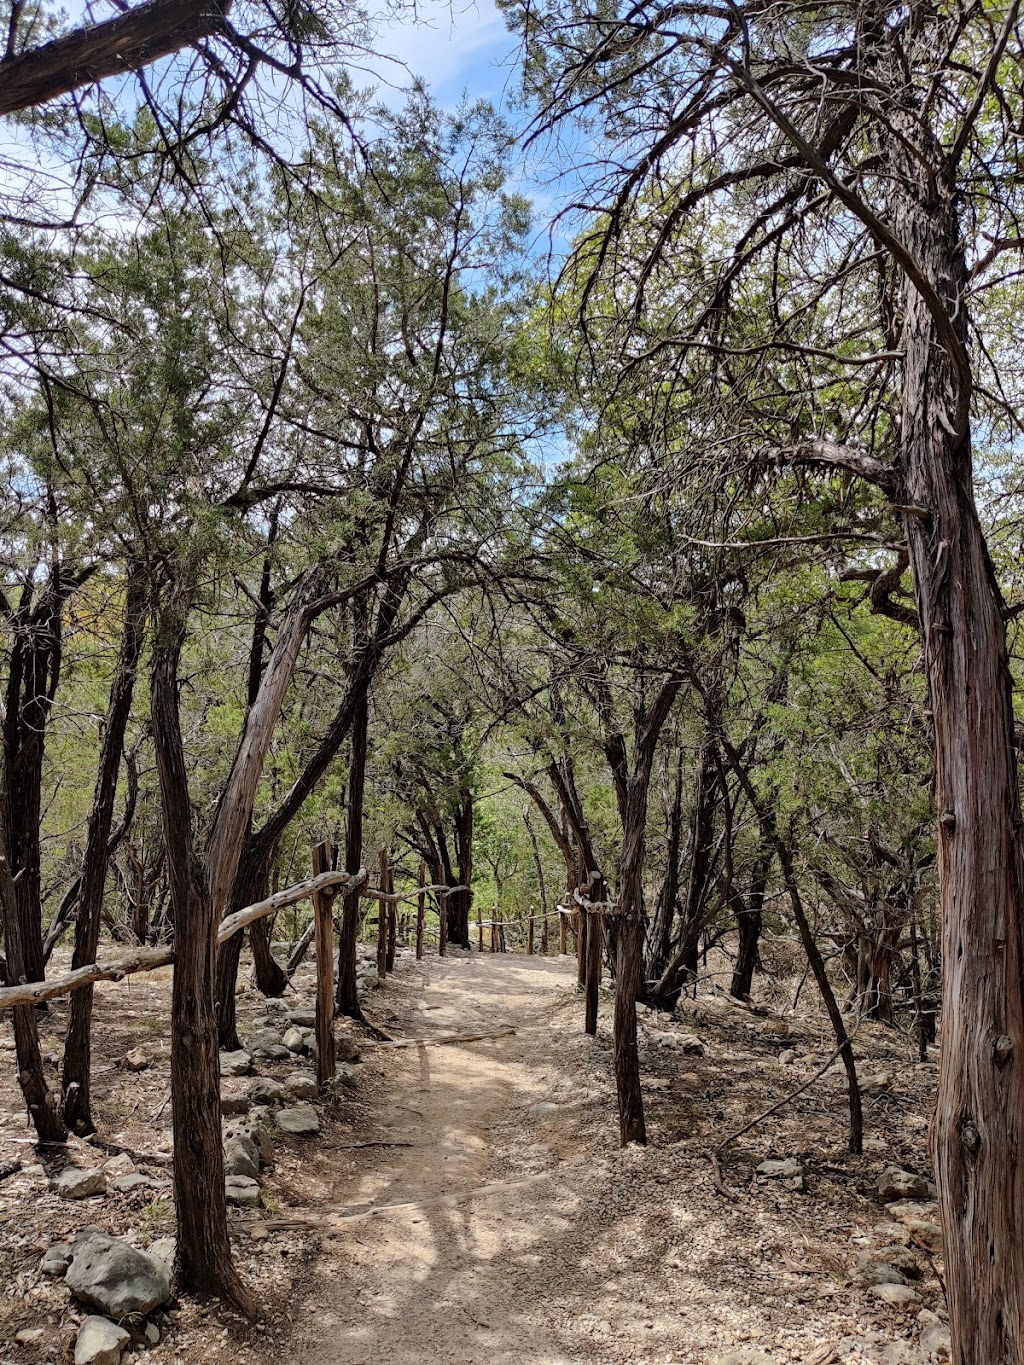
<point x="465" y="1201"/>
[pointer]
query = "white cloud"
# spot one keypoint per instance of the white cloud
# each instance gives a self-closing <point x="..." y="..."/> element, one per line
<point x="456" y="48"/>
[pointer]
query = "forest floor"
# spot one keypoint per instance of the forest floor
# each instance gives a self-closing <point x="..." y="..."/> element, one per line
<point x="490" y="1215"/>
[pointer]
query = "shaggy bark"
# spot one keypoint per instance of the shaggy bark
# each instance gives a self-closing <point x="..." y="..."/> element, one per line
<point x="204" y="1252"/>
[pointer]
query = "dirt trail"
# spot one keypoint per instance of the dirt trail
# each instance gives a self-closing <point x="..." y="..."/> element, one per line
<point x="601" y="1256"/>
<point x="461" y="1280"/>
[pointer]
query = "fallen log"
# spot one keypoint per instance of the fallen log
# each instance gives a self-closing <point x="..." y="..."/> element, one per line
<point x="441" y="1039"/>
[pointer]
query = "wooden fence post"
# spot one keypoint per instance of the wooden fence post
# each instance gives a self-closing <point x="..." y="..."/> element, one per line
<point x="563" y="934"/>
<point x="389" y="963"/>
<point x="323" y="902"/>
<point x="442" y="924"/>
<point x="544" y="935"/>
<point x="382" y="919"/>
<point x="480" y="929"/>
<point x="421" y="909"/>
<point x="529" y="937"/>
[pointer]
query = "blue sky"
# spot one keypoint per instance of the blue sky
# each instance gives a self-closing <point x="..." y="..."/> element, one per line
<point x="457" y="49"/>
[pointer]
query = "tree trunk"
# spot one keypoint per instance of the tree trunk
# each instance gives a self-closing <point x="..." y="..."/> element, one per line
<point x="348" y="993"/>
<point x="32" y="682"/>
<point x="668" y="896"/>
<point x="322" y="919"/>
<point x="41" y="1103"/>
<point x="421" y="910"/>
<point x="595" y="946"/>
<point x="978" y="1129"/>
<point x="749" y="915"/>
<point x="271" y="978"/>
<point x="461" y="904"/>
<point x="78" y="1044"/>
<point x="204" y="1252"/>
<point x="250" y="885"/>
<point x="629" y="937"/>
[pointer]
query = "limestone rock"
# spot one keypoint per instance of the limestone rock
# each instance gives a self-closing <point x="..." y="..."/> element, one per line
<point x="136" y="1059"/>
<point x="301" y="1085"/>
<point x="872" y="1271"/>
<point x="241" y="1157"/>
<point x="256" y="1132"/>
<point x="902" y="1353"/>
<point x="542" y="1109"/>
<point x="57" y="1259"/>
<point x="745" y="1355"/>
<point x="925" y="1234"/>
<point x="935" y="1340"/>
<point x="789" y="1058"/>
<point x="346" y="1050"/>
<point x="263" y="1039"/>
<point x="347" y="1075"/>
<point x="303" y="1017"/>
<point x="242" y="1190"/>
<point x="896" y="1295"/>
<point x="789" y="1171"/>
<point x="266" y="1091"/>
<point x="30" y="1336"/>
<point x="895" y="1183"/>
<point x="294" y="1039"/>
<point x="100" y="1342"/>
<point x="300" y="1121"/>
<point x="232" y="1105"/>
<point x="235" y="1063"/>
<point x="876" y="1084"/>
<point x="164" y="1249"/>
<point x="122" y="1164"/>
<point x="130" y="1182"/>
<point x="76" y="1183"/>
<point x="110" y="1275"/>
<point x="902" y="1258"/>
